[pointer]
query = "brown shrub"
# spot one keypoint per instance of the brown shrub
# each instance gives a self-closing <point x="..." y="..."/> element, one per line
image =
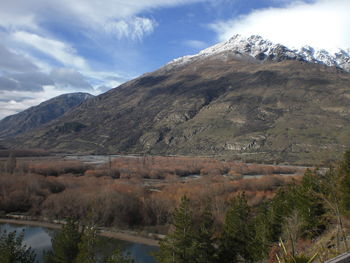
<point x="117" y="194"/>
<point x="96" y="172"/>
<point x="56" y="168"/>
<point x="25" y="193"/>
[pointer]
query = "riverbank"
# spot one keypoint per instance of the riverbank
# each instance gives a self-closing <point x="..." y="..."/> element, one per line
<point x="105" y="233"/>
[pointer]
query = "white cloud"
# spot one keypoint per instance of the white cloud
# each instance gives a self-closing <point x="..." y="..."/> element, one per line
<point x="22" y="90"/>
<point x="26" y="21"/>
<point x="323" y="24"/>
<point x="195" y="44"/>
<point x="101" y="10"/>
<point x="69" y="79"/>
<point x="25" y="27"/>
<point x="18" y="100"/>
<point x="134" y="28"/>
<point x="14" y="62"/>
<point x="60" y="51"/>
<point x="25" y="81"/>
<point x="90" y="14"/>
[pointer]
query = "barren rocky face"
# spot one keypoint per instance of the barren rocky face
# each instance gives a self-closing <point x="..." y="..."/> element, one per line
<point x="226" y="105"/>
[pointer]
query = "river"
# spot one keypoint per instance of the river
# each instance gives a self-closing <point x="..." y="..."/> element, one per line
<point x="39" y="239"/>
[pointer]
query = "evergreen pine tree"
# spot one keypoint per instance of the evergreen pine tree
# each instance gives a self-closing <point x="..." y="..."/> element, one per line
<point x="344" y="174"/>
<point x="310" y="205"/>
<point x="279" y="210"/>
<point x="204" y="249"/>
<point x="87" y="246"/>
<point x="12" y="249"/>
<point x="65" y="244"/>
<point x="236" y="240"/>
<point x="263" y="231"/>
<point x="79" y="244"/>
<point x="177" y="247"/>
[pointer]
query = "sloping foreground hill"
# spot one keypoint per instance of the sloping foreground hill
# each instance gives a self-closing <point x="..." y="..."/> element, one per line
<point x="37" y="116"/>
<point x="228" y="105"/>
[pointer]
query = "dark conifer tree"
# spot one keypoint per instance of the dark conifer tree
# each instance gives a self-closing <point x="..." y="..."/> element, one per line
<point x="236" y="241"/>
<point x="344" y="174"/>
<point x="65" y="244"/>
<point x="203" y="244"/>
<point x="310" y="205"/>
<point x="12" y="249"/>
<point x="87" y="246"/>
<point x="263" y="231"/>
<point x="177" y="247"/>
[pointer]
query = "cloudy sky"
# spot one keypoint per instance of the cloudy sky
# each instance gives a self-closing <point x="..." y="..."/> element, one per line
<point x="48" y="48"/>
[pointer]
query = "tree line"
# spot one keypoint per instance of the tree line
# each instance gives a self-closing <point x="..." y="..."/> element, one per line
<point x="276" y="230"/>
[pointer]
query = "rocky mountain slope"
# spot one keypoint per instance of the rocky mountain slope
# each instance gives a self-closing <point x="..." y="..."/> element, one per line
<point x="37" y="116"/>
<point x="245" y="98"/>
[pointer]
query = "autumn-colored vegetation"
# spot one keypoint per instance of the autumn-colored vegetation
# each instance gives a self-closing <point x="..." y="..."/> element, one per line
<point x="306" y="221"/>
<point x="264" y="212"/>
<point x="156" y="167"/>
<point x="131" y="191"/>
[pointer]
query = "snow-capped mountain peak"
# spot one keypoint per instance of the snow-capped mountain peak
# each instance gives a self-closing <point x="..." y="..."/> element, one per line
<point x="257" y="47"/>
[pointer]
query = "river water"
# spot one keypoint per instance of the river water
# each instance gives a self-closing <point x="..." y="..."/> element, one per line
<point x="39" y="239"/>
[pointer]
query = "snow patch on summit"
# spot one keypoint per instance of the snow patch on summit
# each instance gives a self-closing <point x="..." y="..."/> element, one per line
<point x="261" y="49"/>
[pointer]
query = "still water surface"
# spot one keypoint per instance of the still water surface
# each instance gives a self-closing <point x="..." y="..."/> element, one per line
<point x="39" y="239"/>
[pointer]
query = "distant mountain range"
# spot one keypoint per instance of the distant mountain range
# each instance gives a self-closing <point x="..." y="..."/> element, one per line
<point x="37" y="116"/>
<point x="264" y="50"/>
<point x="245" y="98"/>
